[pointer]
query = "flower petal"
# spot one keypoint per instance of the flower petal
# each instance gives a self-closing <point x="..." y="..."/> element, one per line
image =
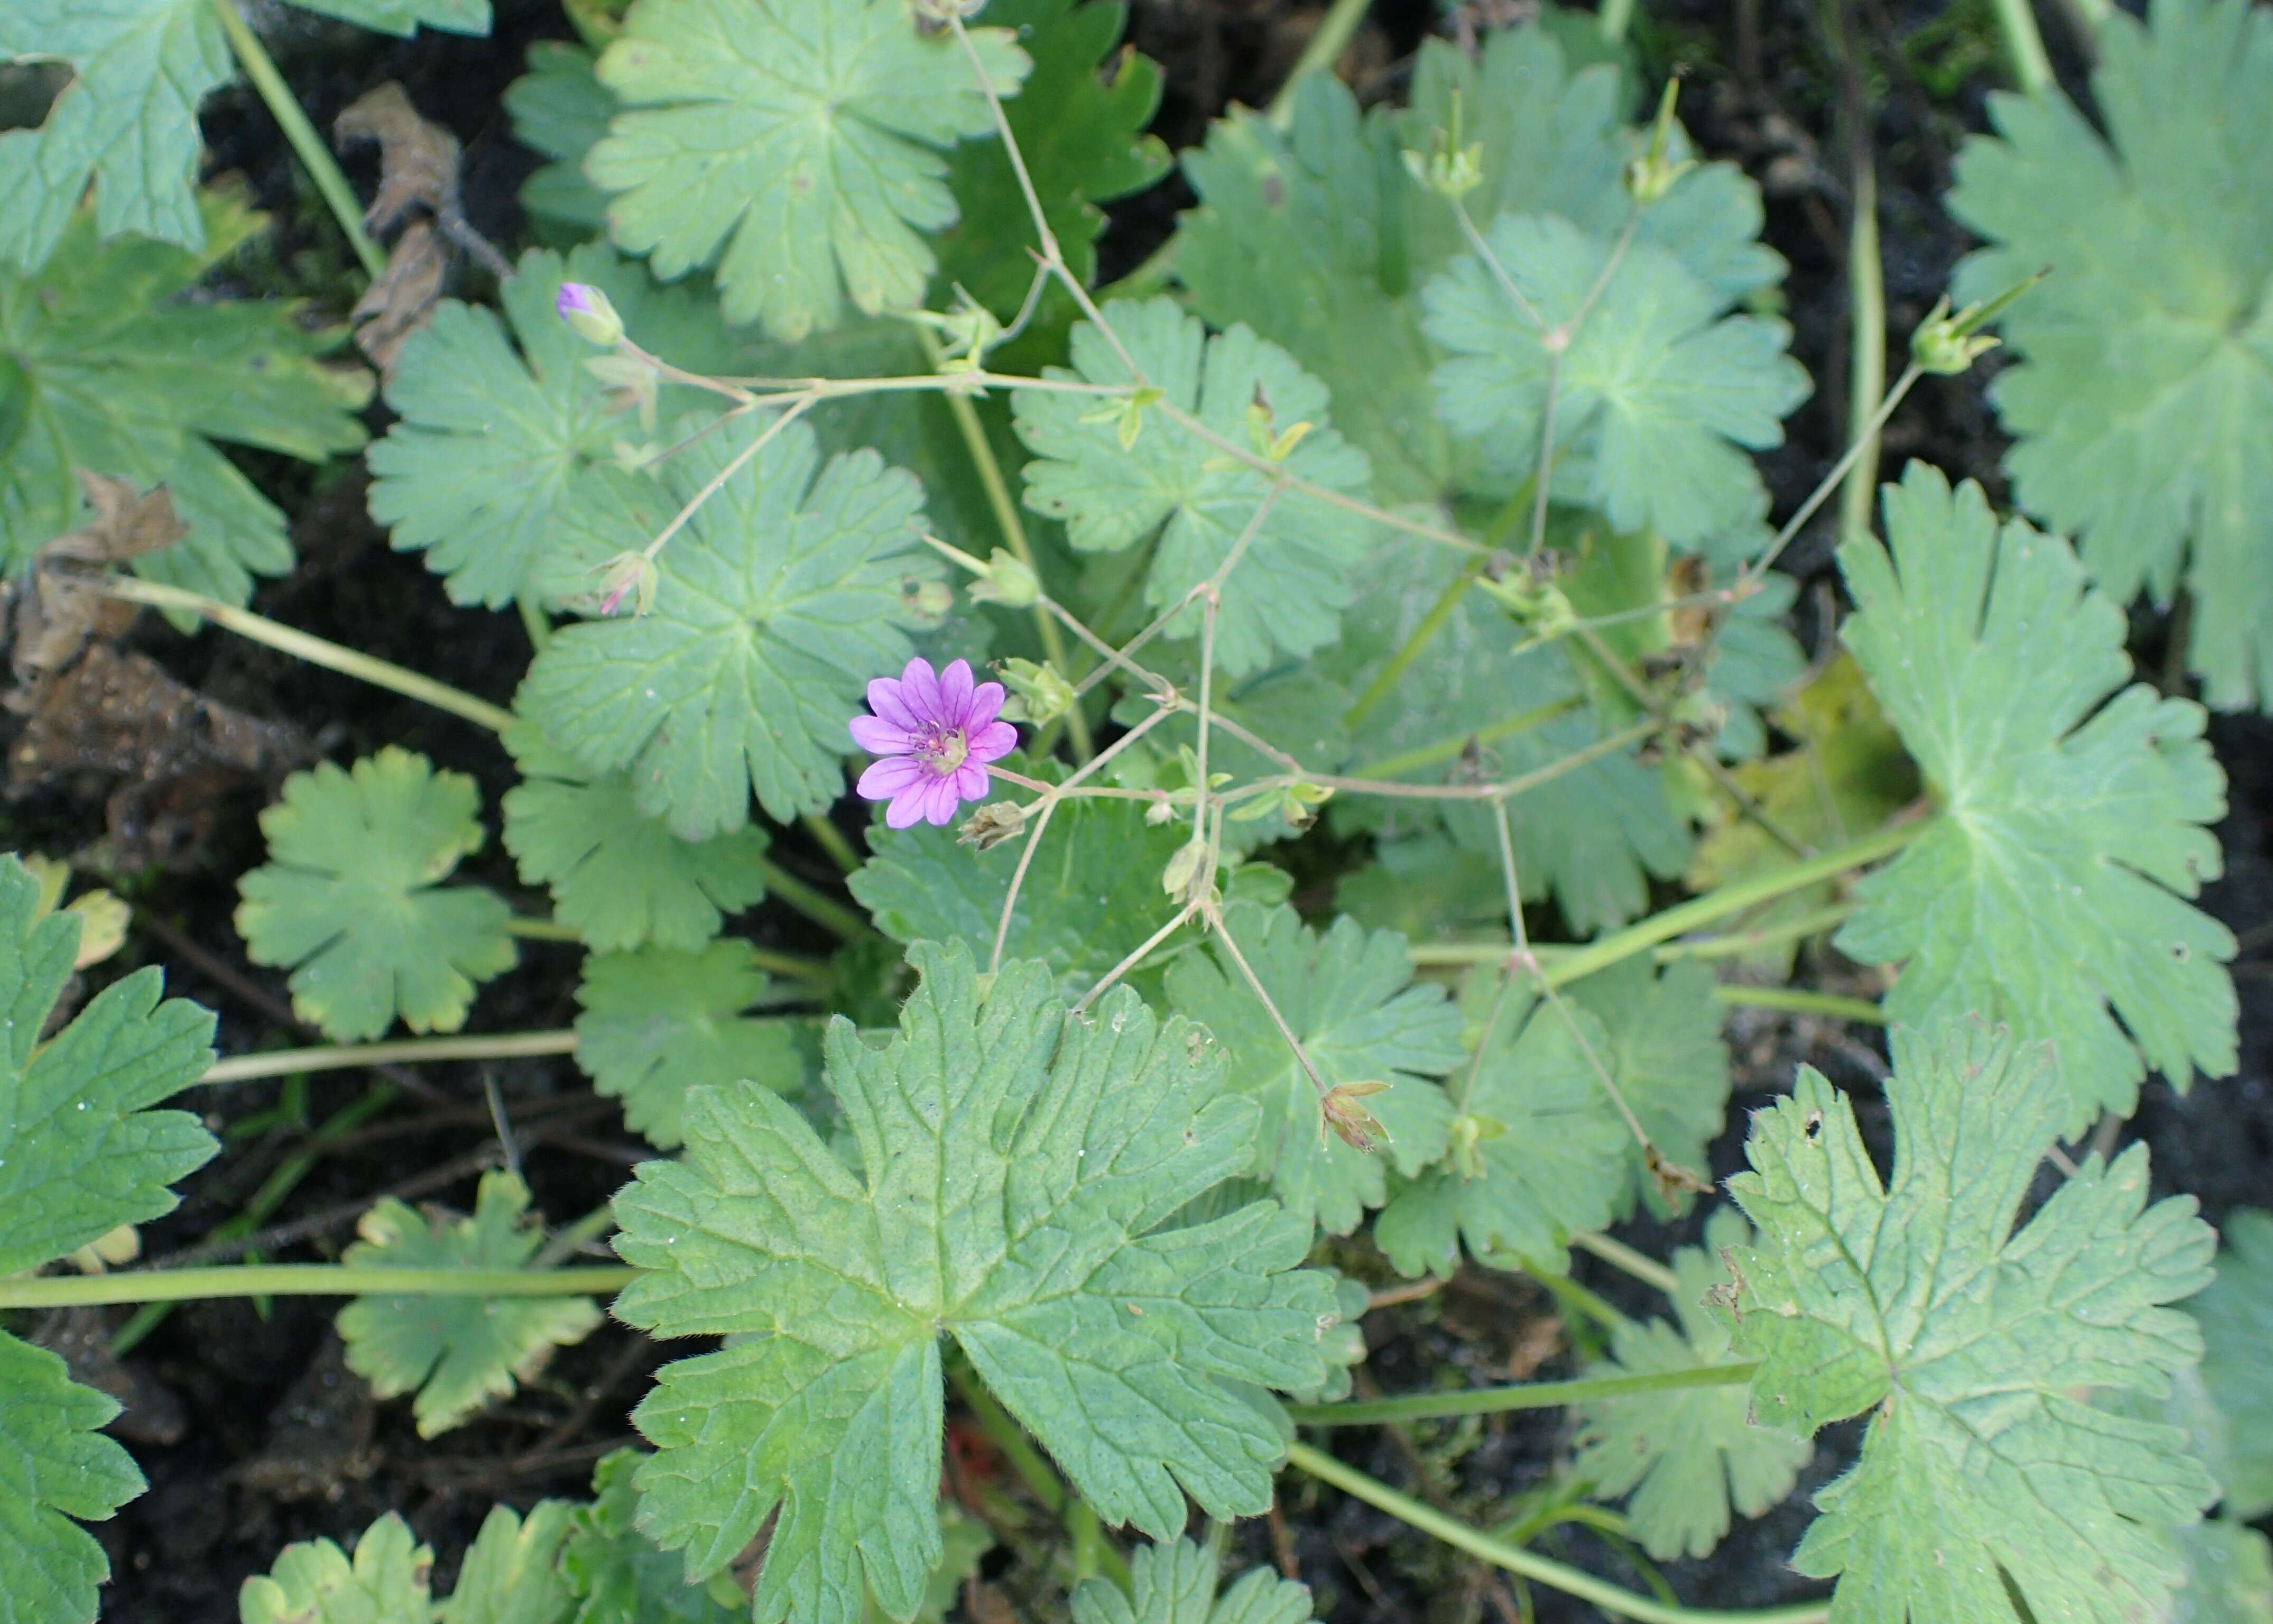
<point x="895" y="774"/>
<point x="907" y="807"/>
<point x="939" y="799"/>
<point x="919" y="691"/>
<point x="878" y="737"/>
<point x="888" y="701"/>
<point x="971" y="781"/>
<point x="954" y="693"/>
<point x="985" y="704"/>
<point x="993" y="741"/>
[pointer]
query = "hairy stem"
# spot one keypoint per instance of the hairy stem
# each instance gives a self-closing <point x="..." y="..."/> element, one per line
<point x="304" y="1280"/>
<point x="1800" y="1001"/>
<point x="316" y="651"/>
<point x="1866" y="305"/>
<point x="342" y="1057"/>
<point x="1525" y="1395"/>
<point x="1618" y="1255"/>
<point x="306" y="144"/>
<point x="1572" y="1581"/>
<point x="832" y="840"/>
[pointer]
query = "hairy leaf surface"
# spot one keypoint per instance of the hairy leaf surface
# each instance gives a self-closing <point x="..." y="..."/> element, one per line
<point x="56" y="1464"/>
<point x="796" y="145"/>
<point x="491" y="433"/>
<point x="618" y="1574"/>
<point x="108" y="364"/>
<point x="1968" y="1340"/>
<point x="1015" y="1170"/>
<point x="456" y="1353"/>
<point x="660" y="1021"/>
<point x="619" y="877"/>
<point x="2051" y="896"/>
<point x="2143" y="404"/>
<point x="789" y="589"/>
<point x="1285" y="595"/>
<point x="1687" y="1453"/>
<point x="350" y="899"/>
<point x="1349" y="996"/>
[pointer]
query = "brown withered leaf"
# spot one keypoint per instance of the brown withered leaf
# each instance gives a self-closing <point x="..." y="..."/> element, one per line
<point x="57" y="612"/>
<point x="417" y="160"/>
<point x="399" y="302"/>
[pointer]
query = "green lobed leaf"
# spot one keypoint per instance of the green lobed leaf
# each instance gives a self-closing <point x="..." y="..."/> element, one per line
<point x="1017" y="1169"/>
<point x="790" y="589"/>
<point x="559" y="108"/>
<point x="1966" y="1339"/>
<point x="620" y="878"/>
<point x="2236" y="1314"/>
<point x="1091" y="896"/>
<point x="2051" y="895"/>
<point x="1658" y="395"/>
<point x="511" y="1572"/>
<point x="107" y="363"/>
<point x="2141" y="402"/>
<point x="1177" y="1584"/>
<point x="54" y="1465"/>
<point x="1349" y="996"/>
<point x="479" y="469"/>
<point x="1317" y="238"/>
<point x="127" y="122"/>
<point x="660" y="1021"/>
<point x="1080" y="122"/>
<point x="1686" y="1453"/>
<point x="314" y="1581"/>
<point x="796" y="145"/>
<point x="350" y="900"/>
<point x="2229" y="1575"/>
<point x="1538" y="1152"/>
<point x="456" y="1353"/>
<point x="617" y="1573"/>
<point x="1470" y="707"/>
<point x="1285" y="595"/>
<point x="1663" y="1050"/>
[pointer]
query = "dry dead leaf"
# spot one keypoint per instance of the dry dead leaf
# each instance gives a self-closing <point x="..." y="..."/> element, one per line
<point x="398" y="304"/>
<point x="417" y="160"/>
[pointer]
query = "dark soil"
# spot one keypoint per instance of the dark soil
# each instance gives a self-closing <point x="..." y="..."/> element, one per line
<point x="254" y="1434"/>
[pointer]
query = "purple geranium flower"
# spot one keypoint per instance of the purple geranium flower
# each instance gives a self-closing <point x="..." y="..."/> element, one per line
<point x="935" y="733"/>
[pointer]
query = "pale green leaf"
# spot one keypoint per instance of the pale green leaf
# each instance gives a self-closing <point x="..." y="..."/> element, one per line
<point x="660" y="1021"/>
<point x="80" y="1152"/>
<point x="796" y="145"/>
<point x="1687" y="1453"/>
<point x="1285" y="595"/>
<point x="316" y="1582"/>
<point x="456" y="1353"/>
<point x="127" y="121"/>
<point x="1177" y="1584"/>
<point x="1664" y="1051"/>
<point x="559" y="108"/>
<point x="1658" y="395"/>
<point x="619" y="877"/>
<point x="1967" y="1340"/>
<point x="1592" y="839"/>
<point x="512" y="1573"/>
<point x="2236" y="1314"/>
<point x="963" y="1540"/>
<point x="350" y="899"/>
<point x="1538" y="1152"/>
<point x="2051" y="896"/>
<point x="1318" y="238"/>
<point x="1350" y="997"/>
<point x="107" y="363"/>
<point x="789" y="590"/>
<point x="618" y="1576"/>
<point x="1017" y="1170"/>
<point x="2141" y="405"/>
<point x="2229" y="1575"/>
<point x="477" y="470"/>
<point x="54" y="1465"/>
<point x="1090" y="897"/>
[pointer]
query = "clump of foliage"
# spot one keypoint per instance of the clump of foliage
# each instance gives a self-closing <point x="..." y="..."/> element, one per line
<point x="1402" y="524"/>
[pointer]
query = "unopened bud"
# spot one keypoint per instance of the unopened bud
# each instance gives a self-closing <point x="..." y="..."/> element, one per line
<point x="1038" y="695"/>
<point x="1182" y="878"/>
<point x="1350" y="1122"/>
<point x="1948" y="344"/>
<point x="1448" y="167"/>
<point x="1469" y="1134"/>
<point x="589" y="314"/>
<point x="992" y="824"/>
<point x="1009" y="581"/>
